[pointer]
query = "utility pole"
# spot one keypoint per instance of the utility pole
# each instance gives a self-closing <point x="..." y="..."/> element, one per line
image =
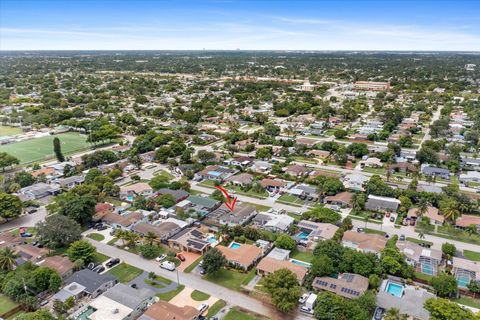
<point x="178" y="278"/>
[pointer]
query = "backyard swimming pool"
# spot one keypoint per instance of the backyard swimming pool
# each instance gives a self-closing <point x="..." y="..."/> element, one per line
<point x="395" y="289"/>
<point x="302" y="235"/>
<point x="234" y="245"/>
<point x="212" y="239"/>
<point x="427" y="269"/>
<point x="301" y="263"/>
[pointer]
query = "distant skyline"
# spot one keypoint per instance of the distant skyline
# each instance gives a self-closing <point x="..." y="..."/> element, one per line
<point x="247" y="25"/>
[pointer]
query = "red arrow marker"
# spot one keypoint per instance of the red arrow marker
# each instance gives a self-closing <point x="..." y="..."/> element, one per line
<point x="231" y="201"/>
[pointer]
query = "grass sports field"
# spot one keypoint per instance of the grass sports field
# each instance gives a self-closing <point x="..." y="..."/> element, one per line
<point x="9" y="131"/>
<point x="41" y="149"/>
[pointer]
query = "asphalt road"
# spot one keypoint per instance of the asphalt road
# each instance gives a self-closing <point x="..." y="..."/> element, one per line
<point x="26" y="220"/>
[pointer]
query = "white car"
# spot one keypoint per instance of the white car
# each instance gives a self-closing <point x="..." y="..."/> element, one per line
<point x="306" y="309"/>
<point x="303" y="298"/>
<point x="202" y="307"/>
<point x="167" y="265"/>
<point x="161" y="258"/>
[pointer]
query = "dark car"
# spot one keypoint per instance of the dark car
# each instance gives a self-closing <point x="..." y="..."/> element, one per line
<point x="201" y="270"/>
<point x="112" y="262"/>
<point x="101" y="227"/>
<point x="133" y="285"/>
<point x="378" y="314"/>
<point x="425" y="245"/>
<point x="392" y="219"/>
<point x="99" y="269"/>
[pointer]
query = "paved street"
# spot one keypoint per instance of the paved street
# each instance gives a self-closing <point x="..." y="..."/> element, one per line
<point x="193" y="281"/>
<point x="26" y="220"/>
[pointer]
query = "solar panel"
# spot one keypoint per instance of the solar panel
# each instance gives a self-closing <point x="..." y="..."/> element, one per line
<point x="333" y="286"/>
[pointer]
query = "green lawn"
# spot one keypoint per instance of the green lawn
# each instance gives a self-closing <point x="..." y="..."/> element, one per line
<point x="215" y="308"/>
<point x="100" y="258"/>
<point x="471" y="255"/>
<point x="6" y="304"/>
<point x="96" y="236"/>
<point x="379" y="171"/>
<point x="165" y="174"/>
<point x="290" y="200"/>
<point x="41" y="149"/>
<point x="154" y="283"/>
<point x="259" y="207"/>
<point x="423" y="276"/>
<point x="374" y="231"/>
<point x="171" y="294"/>
<point x="9" y="131"/>
<point x="199" y="295"/>
<point x="418" y="241"/>
<point x="467" y="301"/>
<point x="237" y="189"/>
<point x="236" y="314"/>
<point x="125" y="272"/>
<point x="302" y="256"/>
<point x="231" y="279"/>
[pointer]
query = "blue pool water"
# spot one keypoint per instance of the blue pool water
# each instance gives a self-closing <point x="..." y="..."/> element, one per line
<point x="395" y="289"/>
<point x="463" y="281"/>
<point x="301" y="263"/>
<point x="302" y="235"/>
<point x="234" y="245"/>
<point x="212" y="239"/>
<point x="427" y="269"/>
<point x="130" y="198"/>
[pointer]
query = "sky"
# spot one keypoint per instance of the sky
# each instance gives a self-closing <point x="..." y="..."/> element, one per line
<point x="240" y="24"/>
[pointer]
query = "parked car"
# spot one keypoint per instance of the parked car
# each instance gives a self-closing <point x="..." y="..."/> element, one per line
<point x="134" y="286"/>
<point x="112" y="262"/>
<point x="392" y="219"/>
<point x="425" y="245"/>
<point x="402" y="237"/>
<point x="303" y="298"/>
<point x="378" y="314"/>
<point x="306" y="309"/>
<point x="167" y="265"/>
<point x="161" y="257"/>
<point x="202" y="307"/>
<point x="102" y="227"/>
<point x="99" y="269"/>
<point x="181" y="257"/>
<point x="360" y="230"/>
<point x="201" y="270"/>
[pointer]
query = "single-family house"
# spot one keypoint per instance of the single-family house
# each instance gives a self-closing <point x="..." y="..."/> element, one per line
<point x="465" y="271"/>
<point x="342" y="199"/>
<point x="242" y="179"/>
<point x="269" y="265"/>
<point x="431" y="171"/>
<point x="273" y="185"/>
<point x="129" y="192"/>
<point x="62" y="265"/>
<point x="91" y="283"/>
<point x="241" y="255"/>
<point x="163" y="231"/>
<point x="190" y="240"/>
<point x="296" y="170"/>
<point x="273" y="222"/>
<point x="432" y="213"/>
<point x="377" y="203"/>
<point x="121" y="302"/>
<point x="424" y="260"/>
<point x="355" y="181"/>
<point x="38" y="191"/>
<point x="223" y="215"/>
<point x="179" y="194"/>
<point x="347" y="285"/>
<point x="69" y="182"/>
<point x="163" y="310"/>
<point x="469" y="176"/>
<point x="364" y="242"/>
<point x="466" y="220"/>
<point x="214" y="172"/>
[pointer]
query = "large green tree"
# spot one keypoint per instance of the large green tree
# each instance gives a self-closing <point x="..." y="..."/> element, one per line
<point x="58" y="231"/>
<point x="81" y="208"/>
<point x="284" y="289"/>
<point x="10" y="206"/>
<point x="443" y="309"/>
<point x="7" y="160"/>
<point x="81" y="250"/>
<point x="213" y="261"/>
<point x="445" y="285"/>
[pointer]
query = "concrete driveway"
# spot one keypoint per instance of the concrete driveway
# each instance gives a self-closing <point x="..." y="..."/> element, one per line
<point x="184" y="299"/>
<point x="190" y="258"/>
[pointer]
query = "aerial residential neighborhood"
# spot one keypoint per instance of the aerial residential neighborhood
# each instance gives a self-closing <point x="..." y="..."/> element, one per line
<point x="232" y="160"/>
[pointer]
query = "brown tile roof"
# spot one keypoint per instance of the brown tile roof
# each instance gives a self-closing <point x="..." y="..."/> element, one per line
<point x="163" y="230"/>
<point x="270" y="265"/>
<point x="163" y="310"/>
<point x="364" y="241"/>
<point x="99" y="207"/>
<point x="273" y="183"/>
<point x="465" y="220"/>
<point x="62" y="265"/>
<point x="31" y="253"/>
<point x="45" y="171"/>
<point x="137" y="187"/>
<point x="241" y="178"/>
<point x="7" y="240"/>
<point x="345" y="197"/>
<point x="246" y="255"/>
<point x="125" y="221"/>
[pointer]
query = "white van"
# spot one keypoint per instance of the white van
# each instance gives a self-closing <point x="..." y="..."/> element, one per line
<point x="170" y="266"/>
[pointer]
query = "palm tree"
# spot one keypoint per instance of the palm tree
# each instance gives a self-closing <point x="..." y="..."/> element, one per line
<point x="450" y="209"/>
<point x="394" y="314"/>
<point x="131" y="238"/>
<point x="421" y="234"/>
<point x="121" y="234"/>
<point x="7" y="259"/>
<point x="422" y="208"/>
<point x="471" y="229"/>
<point x="150" y="237"/>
